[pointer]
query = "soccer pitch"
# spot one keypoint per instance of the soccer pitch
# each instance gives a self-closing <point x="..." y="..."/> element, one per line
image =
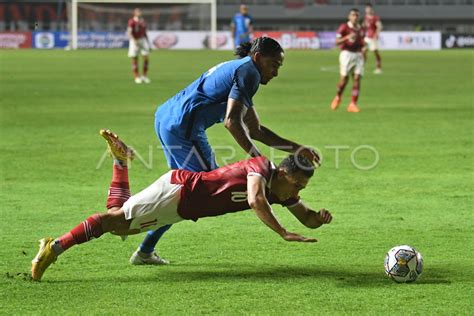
<point x="416" y="119"/>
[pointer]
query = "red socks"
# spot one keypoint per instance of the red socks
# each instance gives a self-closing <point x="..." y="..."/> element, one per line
<point x="119" y="190"/>
<point x="135" y="67"/>
<point x="378" y="60"/>
<point x="89" y="229"/>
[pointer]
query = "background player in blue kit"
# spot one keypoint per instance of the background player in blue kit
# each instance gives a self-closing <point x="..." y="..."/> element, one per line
<point x="221" y="94"/>
<point x="241" y="26"/>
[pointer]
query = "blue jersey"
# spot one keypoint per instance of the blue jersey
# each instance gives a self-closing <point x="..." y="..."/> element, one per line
<point x="204" y="102"/>
<point x="242" y="25"/>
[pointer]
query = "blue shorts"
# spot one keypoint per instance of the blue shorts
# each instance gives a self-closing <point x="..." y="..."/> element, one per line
<point x="194" y="154"/>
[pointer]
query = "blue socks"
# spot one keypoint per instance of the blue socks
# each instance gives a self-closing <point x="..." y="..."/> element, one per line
<point x="152" y="238"/>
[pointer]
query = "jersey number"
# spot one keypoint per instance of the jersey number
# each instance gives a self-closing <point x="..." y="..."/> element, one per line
<point x="239" y="197"/>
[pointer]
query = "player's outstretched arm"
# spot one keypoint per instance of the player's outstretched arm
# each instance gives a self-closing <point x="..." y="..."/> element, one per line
<point x="259" y="203"/>
<point x="234" y="123"/>
<point x="129" y="33"/>
<point x="379" y="29"/>
<point x="270" y="138"/>
<point x="310" y="218"/>
<point x="148" y="40"/>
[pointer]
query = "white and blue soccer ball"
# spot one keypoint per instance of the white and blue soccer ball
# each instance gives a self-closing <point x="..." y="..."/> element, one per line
<point x="403" y="264"/>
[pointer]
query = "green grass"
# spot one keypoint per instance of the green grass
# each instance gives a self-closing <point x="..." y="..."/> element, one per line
<point x="417" y="115"/>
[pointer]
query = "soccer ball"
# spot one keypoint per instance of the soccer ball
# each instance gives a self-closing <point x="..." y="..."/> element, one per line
<point x="403" y="264"/>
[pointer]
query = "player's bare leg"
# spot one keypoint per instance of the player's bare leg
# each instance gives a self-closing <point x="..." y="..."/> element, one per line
<point x="144" y="77"/>
<point x="340" y="90"/>
<point x="364" y="54"/>
<point x="378" y="59"/>
<point x="355" y="95"/>
<point x="136" y="74"/>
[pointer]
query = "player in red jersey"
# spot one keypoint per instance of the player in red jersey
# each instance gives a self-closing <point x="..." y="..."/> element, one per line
<point x="138" y="44"/>
<point x="179" y="195"/>
<point x="350" y="38"/>
<point x="374" y="26"/>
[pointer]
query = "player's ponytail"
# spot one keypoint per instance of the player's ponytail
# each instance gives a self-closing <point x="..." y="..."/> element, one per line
<point x="264" y="45"/>
<point x="243" y="50"/>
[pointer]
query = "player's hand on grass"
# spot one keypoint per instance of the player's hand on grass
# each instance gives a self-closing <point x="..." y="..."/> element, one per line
<point x="310" y="154"/>
<point x="297" y="237"/>
<point x="324" y="216"/>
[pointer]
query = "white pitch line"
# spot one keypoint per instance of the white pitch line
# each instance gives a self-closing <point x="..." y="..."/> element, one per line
<point x="330" y="69"/>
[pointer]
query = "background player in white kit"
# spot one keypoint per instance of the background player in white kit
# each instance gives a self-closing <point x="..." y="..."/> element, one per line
<point x="373" y="26"/>
<point x="350" y="38"/>
<point x="139" y="44"/>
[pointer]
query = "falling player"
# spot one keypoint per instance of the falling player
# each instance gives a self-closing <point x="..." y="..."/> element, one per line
<point x="350" y="38"/>
<point x="180" y="195"/>
<point x="138" y="44"/>
<point x="241" y="26"/>
<point x="373" y="26"/>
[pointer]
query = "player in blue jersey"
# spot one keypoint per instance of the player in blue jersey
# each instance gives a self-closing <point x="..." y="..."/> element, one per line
<point x="221" y="94"/>
<point x="241" y="26"/>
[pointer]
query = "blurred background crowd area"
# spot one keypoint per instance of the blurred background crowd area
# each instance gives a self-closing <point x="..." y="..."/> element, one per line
<point x="277" y="15"/>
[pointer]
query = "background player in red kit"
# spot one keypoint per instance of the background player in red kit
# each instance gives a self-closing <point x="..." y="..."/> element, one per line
<point x="138" y="44"/>
<point x="350" y="38"/>
<point x="373" y="26"/>
<point x="180" y="194"/>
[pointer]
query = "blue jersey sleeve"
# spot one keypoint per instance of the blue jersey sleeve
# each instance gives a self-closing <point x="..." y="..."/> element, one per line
<point x="245" y="85"/>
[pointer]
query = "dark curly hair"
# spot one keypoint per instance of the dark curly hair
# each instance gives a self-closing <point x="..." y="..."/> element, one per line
<point x="297" y="163"/>
<point x="264" y="45"/>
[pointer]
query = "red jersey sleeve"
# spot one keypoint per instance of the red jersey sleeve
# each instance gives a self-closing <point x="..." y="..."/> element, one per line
<point x="130" y="23"/>
<point x="259" y="166"/>
<point x="342" y="30"/>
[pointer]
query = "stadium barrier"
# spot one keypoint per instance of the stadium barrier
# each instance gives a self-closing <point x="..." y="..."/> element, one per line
<point x="201" y="40"/>
<point x="15" y="39"/>
<point x="458" y="40"/>
<point x="48" y="40"/>
<point x="410" y="41"/>
<point x="188" y="40"/>
<point x="294" y="40"/>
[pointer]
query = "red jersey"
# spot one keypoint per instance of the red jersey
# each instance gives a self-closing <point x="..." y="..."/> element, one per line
<point x="223" y="190"/>
<point x="138" y="28"/>
<point x="355" y="45"/>
<point x="370" y="22"/>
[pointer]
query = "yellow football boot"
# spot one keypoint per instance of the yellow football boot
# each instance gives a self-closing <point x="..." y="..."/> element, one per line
<point x="43" y="259"/>
<point x="117" y="148"/>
